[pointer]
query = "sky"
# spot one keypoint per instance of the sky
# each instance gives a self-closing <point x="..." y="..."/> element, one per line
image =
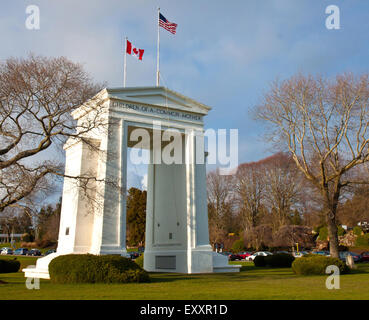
<point x="225" y="53"/>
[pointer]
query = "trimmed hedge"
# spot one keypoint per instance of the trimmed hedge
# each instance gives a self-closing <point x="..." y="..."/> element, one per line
<point x="9" y="266"/>
<point x="259" y="261"/>
<point x="88" y="268"/>
<point x="316" y="264"/>
<point x="280" y="260"/>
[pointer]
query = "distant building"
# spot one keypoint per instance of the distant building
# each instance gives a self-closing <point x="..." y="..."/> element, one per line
<point x="4" y="237"/>
<point x="364" y="225"/>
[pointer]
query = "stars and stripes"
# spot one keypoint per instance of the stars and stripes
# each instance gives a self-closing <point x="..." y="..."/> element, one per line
<point x="169" y="26"/>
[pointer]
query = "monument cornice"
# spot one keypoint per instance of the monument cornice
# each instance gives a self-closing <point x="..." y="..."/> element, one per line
<point x="154" y="111"/>
<point x="142" y="94"/>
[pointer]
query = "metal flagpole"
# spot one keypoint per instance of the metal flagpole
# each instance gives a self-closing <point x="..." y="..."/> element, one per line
<point x="158" y="52"/>
<point x="125" y="63"/>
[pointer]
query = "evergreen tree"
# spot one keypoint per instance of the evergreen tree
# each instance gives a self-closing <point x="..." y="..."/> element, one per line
<point x="136" y="216"/>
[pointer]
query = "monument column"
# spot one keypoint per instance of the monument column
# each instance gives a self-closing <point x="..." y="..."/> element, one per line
<point x="199" y="252"/>
<point x="113" y="237"/>
<point x="77" y="216"/>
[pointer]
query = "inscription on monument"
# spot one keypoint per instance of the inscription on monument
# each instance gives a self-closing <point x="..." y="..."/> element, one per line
<point x="157" y="111"/>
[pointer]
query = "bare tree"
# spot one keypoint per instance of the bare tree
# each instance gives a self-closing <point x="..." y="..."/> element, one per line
<point x="37" y="97"/>
<point x="8" y="223"/>
<point x="260" y="237"/>
<point x="355" y="209"/>
<point x="250" y="191"/>
<point x="288" y="236"/>
<point x="324" y="125"/>
<point x="283" y="187"/>
<point x="220" y="204"/>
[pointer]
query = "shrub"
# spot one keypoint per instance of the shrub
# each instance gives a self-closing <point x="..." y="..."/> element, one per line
<point x="140" y="261"/>
<point x="362" y="241"/>
<point x="316" y="264"/>
<point x="88" y="268"/>
<point x="238" y="246"/>
<point x="9" y="266"/>
<point x="280" y="260"/>
<point x="340" y="231"/>
<point x="323" y="233"/>
<point x="357" y="231"/>
<point x="259" y="261"/>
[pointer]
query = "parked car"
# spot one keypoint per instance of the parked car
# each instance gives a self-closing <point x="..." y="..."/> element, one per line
<point x="365" y="256"/>
<point x="134" y="255"/>
<point x="355" y="256"/>
<point x="322" y="253"/>
<point x="244" y="255"/>
<point x="299" y="254"/>
<point x="49" y="252"/>
<point x="284" y="252"/>
<point x="234" y="256"/>
<point x="21" y="251"/>
<point x="34" y="252"/>
<point x="6" y="250"/>
<point x="259" y="253"/>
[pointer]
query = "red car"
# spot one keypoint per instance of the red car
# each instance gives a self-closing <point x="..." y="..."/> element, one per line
<point x="365" y="256"/>
<point x="244" y="255"/>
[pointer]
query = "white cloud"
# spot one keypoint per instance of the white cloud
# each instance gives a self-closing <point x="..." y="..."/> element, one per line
<point x="144" y="182"/>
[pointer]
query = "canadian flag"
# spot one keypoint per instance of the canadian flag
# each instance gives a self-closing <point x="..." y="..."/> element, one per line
<point x="134" y="51"/>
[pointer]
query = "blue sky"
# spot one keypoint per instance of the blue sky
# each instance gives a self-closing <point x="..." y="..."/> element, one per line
<point x="225" y="53"/>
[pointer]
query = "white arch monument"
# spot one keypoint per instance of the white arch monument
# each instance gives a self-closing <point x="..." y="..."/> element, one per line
<point x="177" y="237"/>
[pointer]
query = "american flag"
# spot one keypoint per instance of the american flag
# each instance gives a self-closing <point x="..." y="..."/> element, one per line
<point x="164" y="23"/>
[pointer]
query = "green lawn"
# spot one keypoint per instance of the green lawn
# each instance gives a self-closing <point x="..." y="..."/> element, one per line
<point x="251" y="283"/>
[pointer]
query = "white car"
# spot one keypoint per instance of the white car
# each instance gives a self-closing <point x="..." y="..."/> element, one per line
<point x="259" y="253"/>
<point x="5" y="251"/>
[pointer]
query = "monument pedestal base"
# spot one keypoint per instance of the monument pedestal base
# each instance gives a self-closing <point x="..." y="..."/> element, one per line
<point x="182" y="261"/>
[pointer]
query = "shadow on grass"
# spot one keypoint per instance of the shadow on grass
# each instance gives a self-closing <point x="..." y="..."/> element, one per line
<point x="248" y="273"/>
<point x="360" y="270"/>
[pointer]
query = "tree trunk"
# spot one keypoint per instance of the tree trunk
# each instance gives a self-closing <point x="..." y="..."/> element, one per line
<point x="332" y="234"/>
<point x="331" y="205"/>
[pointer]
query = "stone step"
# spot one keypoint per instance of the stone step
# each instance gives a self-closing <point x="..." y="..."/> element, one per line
<point x="228" y="268"/>
<point x="220" y="264"/>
